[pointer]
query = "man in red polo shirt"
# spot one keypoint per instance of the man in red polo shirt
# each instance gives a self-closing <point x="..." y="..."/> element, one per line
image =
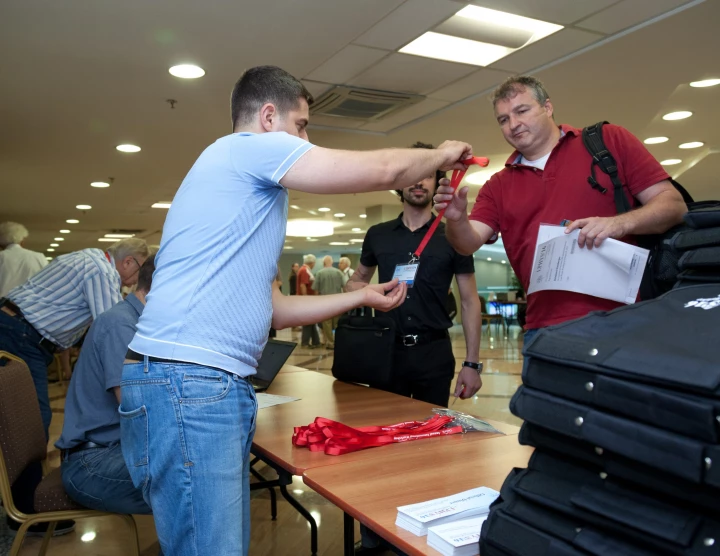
<point x="545" y="181"/>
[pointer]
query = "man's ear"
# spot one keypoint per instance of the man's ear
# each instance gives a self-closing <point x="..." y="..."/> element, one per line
<point x="268" y="113"/>
<point x="549" y="108"/>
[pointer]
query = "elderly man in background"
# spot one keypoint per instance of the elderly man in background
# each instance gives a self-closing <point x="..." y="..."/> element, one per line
<point x="344" y="266"/>
<point x="329" y="281"/>
<point x="305" y="280"/>
<point x="17" y="264"/>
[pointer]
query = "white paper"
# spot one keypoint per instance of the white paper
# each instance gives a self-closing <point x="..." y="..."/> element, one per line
<point x="269" y="400"/>
<point x="416" y="518"/>
<point x="612" y="271"/>
<point x="457" y="538"/>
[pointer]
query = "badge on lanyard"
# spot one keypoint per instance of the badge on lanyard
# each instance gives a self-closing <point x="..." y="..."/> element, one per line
<point x="406" y="272"/>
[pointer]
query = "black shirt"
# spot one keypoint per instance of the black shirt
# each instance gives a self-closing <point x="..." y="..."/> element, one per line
<point x="391" y="243"/>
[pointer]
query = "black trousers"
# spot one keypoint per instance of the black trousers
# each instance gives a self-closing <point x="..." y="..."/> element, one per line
<point x="423" y="372"/>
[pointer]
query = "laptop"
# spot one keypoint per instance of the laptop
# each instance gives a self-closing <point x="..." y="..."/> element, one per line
<point x="273" y="358"/>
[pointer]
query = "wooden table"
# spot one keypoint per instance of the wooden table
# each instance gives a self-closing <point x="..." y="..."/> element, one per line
<point x="371" y="493"/>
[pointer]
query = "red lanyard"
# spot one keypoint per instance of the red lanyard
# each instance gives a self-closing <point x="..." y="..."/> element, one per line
<point x="457" y="177"/>
<point x="107" y="256"/>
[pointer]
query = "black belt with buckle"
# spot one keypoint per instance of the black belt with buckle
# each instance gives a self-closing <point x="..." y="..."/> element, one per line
<point x="139" y="357"/>
<point x="43" y="342"/>
<point x="80" y="447"/>
<point x="409" y="340"/>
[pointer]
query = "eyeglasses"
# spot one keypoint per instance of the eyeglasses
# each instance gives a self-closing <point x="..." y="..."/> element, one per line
<point x="138" y="264"/>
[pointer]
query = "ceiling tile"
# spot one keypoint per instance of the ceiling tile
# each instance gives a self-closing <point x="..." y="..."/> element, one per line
<point x="346" y="64"/>
<point x="411" y="74"/>
<point x="407" y="23"/>
<point x="472" y="84"/>
<point x="331" y="121"/>
<point x="427" y="106"/>
<point x="316" y="89"/>
<point x="547" y="50"/>
<point x="628" y="13"/>
<point x="554" y="11"/>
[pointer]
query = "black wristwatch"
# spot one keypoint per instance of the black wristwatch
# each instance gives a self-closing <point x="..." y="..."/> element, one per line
<point x="477" y="366"/>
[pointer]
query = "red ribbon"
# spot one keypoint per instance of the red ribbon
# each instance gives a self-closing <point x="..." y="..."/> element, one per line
<point x="335" y="439"/>
<point x="457" y="177"/>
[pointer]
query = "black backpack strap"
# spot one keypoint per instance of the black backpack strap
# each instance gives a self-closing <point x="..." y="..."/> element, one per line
<point x="593" y="140"/>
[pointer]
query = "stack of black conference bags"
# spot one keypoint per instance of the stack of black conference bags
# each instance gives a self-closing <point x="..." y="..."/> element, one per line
<point x="623" y="408"/>
<point x="698" y="248"/>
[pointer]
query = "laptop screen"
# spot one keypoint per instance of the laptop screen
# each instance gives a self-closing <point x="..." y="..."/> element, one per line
<point x="274" y="355"/>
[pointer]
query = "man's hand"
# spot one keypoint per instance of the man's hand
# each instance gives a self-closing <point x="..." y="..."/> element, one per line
<point x="595" y="230"/>
<point x="456" y="203"/>
<point x="454" y="152"/>
<point x="377" y="298"/>
<point x="468" y="383"/>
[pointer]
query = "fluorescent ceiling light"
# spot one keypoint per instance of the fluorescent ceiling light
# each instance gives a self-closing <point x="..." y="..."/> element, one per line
<point x="161" y="205"/>
<point x="187" y="71"/>
<point x="50" y="250"/>
<point x="503" y="262"/>
<point x="356" y="240"/>
<point x="310" y="228"/>
<point x="311" y="239"/>
<point x="128" y="148"/>
<point x="83" y="207"/>
<point x="99" y="184"/>
<point x="339" y="243"/>
<point x="456" y="49"/>
<point x="120" y="236"/>
<point x="339" y="215"/>
<point x="48" y="258"/>
<point x="655" y="140"/>
<point x="54" y="245"/>
<point x="288" y="247"/>
<point x="670" y="162"/>
<point x="705" y="83"/>
<point x="363" y="216"/>
<point x="89" y="536"/>
<point x="72" y="221"/>
<point x="503" y="19"/>
<point x="489" y="258"/>
<point x="64" y="231"/>
<point x="323" y="209"/>
<point x="295" y="207"/>
<point x="357" y="229"/>
<point x="692" y="145"/>
<point x="108" y="239"/>
<point x="59" y="238"/>
<point x="681" y="115"/>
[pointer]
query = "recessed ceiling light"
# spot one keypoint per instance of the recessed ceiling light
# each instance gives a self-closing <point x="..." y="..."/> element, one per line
<point x="489" y="258"/>
<point x="187" y="71"/>
<point x="705" y="83"/>
<point x="670" y="162"/>
<point x="357" y="240"/>
<point x="363" y="216"/>
<point x="357" y="229"/>
<point x="692" y="145"/>
<point x="655" y="140"/>
<point x="312" y="239"/>
<point x="50" y="250"/>
<point x="59" y="239"/>
<point x="323" y="209"/>
<point x="339" y="215"/>
<point x="309" y="228"/>
<point x="108" y="239"/>
<point x="288" y="247"/>
<point x="54" y="245"/>
<point x="161" y="205"/>
<point x="64" y="231"/>
<point x="99" y="184"/>
<point x="120" y="236"/>
<point x="128" y="148"/>
<point x="503" y="262"/>
<point x="538" y="28"/>
<point x="72" y="221"/>
<point x="456" y="49"/>
<point x="83" y="207"/>
<point x="49" y="258"/>
<point x="680" y="115"/>
<point x="89" y="536"/>
<point x="295" y="207"/>
<point x="339" y="243"/>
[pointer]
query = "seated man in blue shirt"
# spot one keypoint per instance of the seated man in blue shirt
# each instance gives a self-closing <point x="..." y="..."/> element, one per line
<point x="93" y="469"/>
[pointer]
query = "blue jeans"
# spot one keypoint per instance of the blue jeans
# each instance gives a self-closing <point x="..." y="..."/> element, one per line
<point x="186" y="434"/>
<point x="98" y="479"/>
<point x="19" y="338"/>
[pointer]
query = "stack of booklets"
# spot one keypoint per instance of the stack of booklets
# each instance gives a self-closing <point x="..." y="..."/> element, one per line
<point x="417" y="518"/>
<point x="457" y="538"/>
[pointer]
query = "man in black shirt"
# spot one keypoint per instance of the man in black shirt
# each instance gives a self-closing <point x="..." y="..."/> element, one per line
<point x="424" y="364"/>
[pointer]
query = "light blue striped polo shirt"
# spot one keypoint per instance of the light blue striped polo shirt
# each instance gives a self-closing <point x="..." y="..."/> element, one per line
<point x="63" y="298"/>
<point x="210" y="301"/>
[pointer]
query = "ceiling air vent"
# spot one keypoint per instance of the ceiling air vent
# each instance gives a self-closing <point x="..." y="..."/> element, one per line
<point x="361" y="104"/>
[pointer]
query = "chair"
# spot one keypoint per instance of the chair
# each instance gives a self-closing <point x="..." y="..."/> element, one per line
<point x="22" y="442"/>
<point x="489" y="318"/>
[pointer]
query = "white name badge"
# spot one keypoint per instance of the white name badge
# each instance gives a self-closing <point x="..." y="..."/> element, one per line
<point x="406" y="273"/>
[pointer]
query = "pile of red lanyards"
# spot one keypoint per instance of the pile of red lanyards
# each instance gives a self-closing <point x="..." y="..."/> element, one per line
<point x="335" y="439"/>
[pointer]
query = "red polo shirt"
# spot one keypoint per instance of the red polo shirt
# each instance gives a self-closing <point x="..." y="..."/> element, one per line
<point x="303" y="277"/>
<point x="519" y="198"/>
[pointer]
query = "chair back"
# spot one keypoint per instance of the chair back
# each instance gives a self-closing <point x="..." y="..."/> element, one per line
<point x="22" y="436"/>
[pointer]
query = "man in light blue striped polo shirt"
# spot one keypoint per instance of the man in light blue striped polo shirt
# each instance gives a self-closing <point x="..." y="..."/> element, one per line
<point x="187" y="412"/>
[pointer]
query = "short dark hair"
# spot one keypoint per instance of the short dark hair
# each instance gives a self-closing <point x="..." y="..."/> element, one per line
<point x="263" y="84"/>
<point x="439" y="174"/>
<point x="145" y="274"/>
<point x="517" y="84"/>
